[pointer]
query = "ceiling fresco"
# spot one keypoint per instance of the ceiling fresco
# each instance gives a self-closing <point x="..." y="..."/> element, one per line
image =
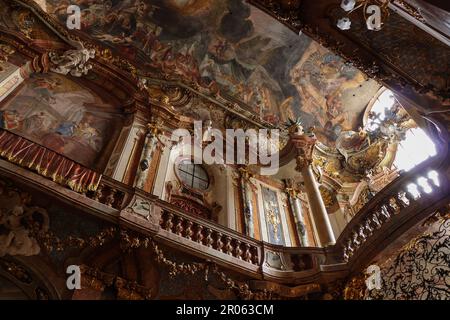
<point x="235" y="49"/>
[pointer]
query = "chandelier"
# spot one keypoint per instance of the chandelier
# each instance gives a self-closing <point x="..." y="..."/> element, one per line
<point x="374" y="12"/>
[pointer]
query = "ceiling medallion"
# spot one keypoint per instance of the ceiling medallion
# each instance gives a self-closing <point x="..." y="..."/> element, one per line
<point x="374" y="12"/>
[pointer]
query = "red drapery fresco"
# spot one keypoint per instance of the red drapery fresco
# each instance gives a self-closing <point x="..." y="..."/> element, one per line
<point x="47" y="163"/>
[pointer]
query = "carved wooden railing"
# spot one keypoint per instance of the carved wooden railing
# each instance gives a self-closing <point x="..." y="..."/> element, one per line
<point x="392" y="211"/>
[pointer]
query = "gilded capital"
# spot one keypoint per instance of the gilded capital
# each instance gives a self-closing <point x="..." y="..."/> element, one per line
<point x="154" y="128"/>
<point x="304" y="144"/>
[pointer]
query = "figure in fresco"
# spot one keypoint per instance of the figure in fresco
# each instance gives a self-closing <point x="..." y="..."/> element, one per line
<point x="10" y="119"/>
<point x="350" y="142"/>
<point x="66" y="128"/>
<point x="322" y="79"/>
<point x="229" y="46"/>
<point x="36" y="123"/>
<point x="44" y="86"/>
<point x="88" y="135"/>
<point x="15" y="224"/>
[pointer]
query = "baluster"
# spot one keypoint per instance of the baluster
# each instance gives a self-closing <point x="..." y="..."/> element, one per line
<point x="393" y="207"/>
<point x="433" y="178"/>
<point x="361" y="234"/>
<point x="402" y="200"/>
<point x="247" y="254"/>
<point x="376" y="220"/>
<point x="188" y="232"/>
<point x="208" y="240"/>
<point x="368" y="227"/>
<point x="345" y="254"/>
<point x="381" y="215"/>
<point x="168" y="225"/>
<point x="413" y="192"/>
<point x="228" y="247"/>
<point x="350" y="249"/>
<point x="179" y="227"/>
<point x="424" y="186"/>
<point x="255" y="255"/>
<point x="355" y="239"/>
<point x="238" y="250"/>
<point x="219" y="243"/>
<point x="99" y="193"/>
<point x="110" y="198"/>
<point x="431" y="183"/>
<point x="199" y="234"/>
<point x="410" y="197"/>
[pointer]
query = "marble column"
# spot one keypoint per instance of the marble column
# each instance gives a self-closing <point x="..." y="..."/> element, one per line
<point x="317" y="207"/>
<point x="299" y="220"/>
<point x="304" y="143"/>
<point x="246" y="189"/>
<point x="150" y="145"/>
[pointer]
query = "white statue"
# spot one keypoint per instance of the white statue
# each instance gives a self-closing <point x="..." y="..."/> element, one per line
<point x="74" y="62"/>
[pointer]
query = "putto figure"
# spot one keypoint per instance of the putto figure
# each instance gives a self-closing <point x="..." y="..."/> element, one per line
<point x="74" y="62"/>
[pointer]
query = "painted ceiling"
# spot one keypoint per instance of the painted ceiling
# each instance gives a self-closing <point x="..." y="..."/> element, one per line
<point x="236" y="49"/>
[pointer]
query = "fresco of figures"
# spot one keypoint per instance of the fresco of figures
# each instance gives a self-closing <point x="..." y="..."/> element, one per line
<point x="60" y="114"/>
<point x="233" y="47"/>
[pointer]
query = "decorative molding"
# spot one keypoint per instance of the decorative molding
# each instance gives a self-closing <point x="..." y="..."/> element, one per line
<point x="19" y="221"/>
<point x="47" y="163"/>
<point x="73" y="62"/>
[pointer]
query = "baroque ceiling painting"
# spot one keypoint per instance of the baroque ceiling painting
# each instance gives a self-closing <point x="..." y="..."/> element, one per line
<point x="235" y="48"/>
<point x="106" y="170"/>
<point x="62" y="115"/>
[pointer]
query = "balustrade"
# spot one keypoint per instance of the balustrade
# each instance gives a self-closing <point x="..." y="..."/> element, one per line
<point x="411" y="193"/>
<point x="209" y="235"/>
<point x="404" y="196"/>
<point x="110" y="193"/>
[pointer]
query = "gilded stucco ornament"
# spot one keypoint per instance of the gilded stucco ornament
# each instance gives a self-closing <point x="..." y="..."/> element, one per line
<point x="24" y="20"/>
<point x="73" y="62"/>
<point x="305" y="151"/>
<point x="5" y="51"/>
<point x="17" y="221"/>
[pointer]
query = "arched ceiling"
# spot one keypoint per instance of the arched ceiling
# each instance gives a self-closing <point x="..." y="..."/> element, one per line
<point x="410" y="54"/>
<point x="235" y="48"/>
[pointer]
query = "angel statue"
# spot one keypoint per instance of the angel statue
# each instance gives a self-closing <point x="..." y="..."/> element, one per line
<point x="294" y="126"/>
<point x="74" y="62"/>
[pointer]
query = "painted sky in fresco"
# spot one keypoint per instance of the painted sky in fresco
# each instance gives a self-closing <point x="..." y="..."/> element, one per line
<point x="237" y="48"/>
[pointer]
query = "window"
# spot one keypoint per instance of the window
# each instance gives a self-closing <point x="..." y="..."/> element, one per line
<point x="193" y="175"/>
<point x="415" y="148"/>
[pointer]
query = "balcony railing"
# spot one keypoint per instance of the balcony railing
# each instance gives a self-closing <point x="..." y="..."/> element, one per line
<point x="400" y="205"/>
